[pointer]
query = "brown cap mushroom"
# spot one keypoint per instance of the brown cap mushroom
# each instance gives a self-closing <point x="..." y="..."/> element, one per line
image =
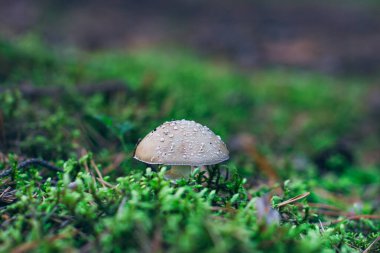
<point x="183" y="144"/>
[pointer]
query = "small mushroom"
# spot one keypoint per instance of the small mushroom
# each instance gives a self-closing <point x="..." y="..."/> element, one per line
<point x="183" y="145"/>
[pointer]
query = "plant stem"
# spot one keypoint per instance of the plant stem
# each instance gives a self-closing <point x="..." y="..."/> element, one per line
<point x="178" y="171"/>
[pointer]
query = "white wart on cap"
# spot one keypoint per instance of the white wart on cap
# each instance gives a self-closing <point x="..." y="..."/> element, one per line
<point x="182" y="142"/>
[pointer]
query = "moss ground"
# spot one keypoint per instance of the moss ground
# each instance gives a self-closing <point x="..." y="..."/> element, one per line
<point x="309" y="135"/>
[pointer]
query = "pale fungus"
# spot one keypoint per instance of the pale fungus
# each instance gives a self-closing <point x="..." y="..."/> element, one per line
<point x="183" y="145"/>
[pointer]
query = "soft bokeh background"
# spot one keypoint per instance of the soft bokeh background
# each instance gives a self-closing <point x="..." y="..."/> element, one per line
<point x="330" y="36"/>
<point x="292" y="87"/>
<point x="309" y="70"/>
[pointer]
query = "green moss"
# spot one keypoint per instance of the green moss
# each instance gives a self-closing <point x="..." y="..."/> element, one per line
<point x="291" y="115"/>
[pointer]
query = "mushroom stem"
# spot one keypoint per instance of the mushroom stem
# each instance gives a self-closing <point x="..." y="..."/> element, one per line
<point x="178" y="171"/>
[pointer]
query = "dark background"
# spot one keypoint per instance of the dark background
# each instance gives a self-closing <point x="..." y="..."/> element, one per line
<point x="329" y="36"/>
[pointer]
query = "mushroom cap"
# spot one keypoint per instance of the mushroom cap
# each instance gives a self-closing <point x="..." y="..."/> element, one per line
<point x="182" y="142"/>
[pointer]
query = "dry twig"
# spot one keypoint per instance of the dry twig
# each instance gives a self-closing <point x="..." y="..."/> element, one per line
<point x="353" y="217"/>
<point x="301" y="196"/>
<point x="367" y="250"/>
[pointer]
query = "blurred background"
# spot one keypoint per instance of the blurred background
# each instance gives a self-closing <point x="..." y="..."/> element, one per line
<point x="299" y="80"/>
<point x="329" y="36"/>
<point x="291" y="86"/>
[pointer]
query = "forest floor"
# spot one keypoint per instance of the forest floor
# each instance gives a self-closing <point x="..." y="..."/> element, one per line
<point x="303" y="174"/>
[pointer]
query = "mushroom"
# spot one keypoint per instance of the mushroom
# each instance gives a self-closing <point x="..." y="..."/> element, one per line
<point x="183" y="145"/>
